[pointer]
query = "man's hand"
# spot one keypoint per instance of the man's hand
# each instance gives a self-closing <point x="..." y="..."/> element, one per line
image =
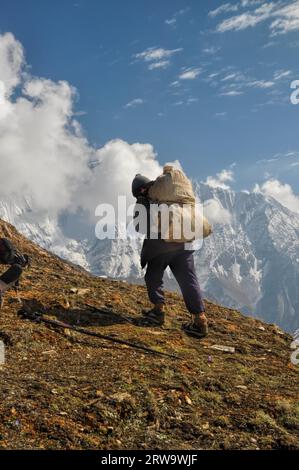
<point x="22" y="260"/>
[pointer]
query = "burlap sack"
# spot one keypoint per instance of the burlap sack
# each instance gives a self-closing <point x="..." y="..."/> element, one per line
<point x="172" y="186"/>
<point x="174" y="189"/>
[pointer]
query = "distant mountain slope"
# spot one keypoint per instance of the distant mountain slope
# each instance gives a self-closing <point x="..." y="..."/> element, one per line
<point x="62" y="390"/>
<point x="254" y="262"/>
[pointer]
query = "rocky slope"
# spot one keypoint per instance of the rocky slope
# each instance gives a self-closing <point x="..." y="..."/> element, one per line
<point x="62" y="390"/>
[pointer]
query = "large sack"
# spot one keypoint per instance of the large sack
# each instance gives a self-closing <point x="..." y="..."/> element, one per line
<point x="174" y="189"/>
<point x="172" y="186"/>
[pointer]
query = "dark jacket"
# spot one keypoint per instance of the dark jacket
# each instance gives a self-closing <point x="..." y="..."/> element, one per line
<point x="7" y="251"/>
<point x="152" y="247"/>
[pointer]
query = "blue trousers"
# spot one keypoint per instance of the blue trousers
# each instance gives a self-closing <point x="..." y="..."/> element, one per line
<point x="182" y="266"/>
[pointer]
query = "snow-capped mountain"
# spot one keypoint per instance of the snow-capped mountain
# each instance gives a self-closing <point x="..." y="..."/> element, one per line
<point x="251" y="262"/>
<point x="41" y="229"/>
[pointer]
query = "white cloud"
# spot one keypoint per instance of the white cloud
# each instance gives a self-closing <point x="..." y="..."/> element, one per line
<point x="119" y="162"/>
<point x="225" y="8"/>
<point x="162" y="64"/>
<point x="171" y="22"/>
<point x="190" y="74"/>
<point x="230" y="76"/>
<point x="231" y="93"/>
<point x="211" y="50"/>
<point x="235" y="83"/>
<point x="192" y="100"/>
<point x="250" y="3"/>
<point x="11" y="63"/>
<point x="187" y="102"/>
<point x="216" y="213"/>
<point x="239" y="22"/>
<point x="279" y="157"/>
<point x="288" y="19"/>
<point x="230" y="7"/>
<point x="279" y="74"/>
<point x="134" y="103"/>
<point x="247" y="19"/>
<point x="155" y="56"/>
<point x="221" y="179"/>
<point x="182" y="11"/>
<point x="43" y="152"/>
<point x="221" y="114"/>
<point x="269" y="44"/>
<point x="285" y="18"/>
<point x="264" y="84"/>
<point x="283" y="193"/>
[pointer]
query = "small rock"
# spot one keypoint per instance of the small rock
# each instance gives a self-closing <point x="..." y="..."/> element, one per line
<point x="2" y="353"/>
<point x="262" y="328"/>
<point x="83" y="291"/>
<point x="121" y="397"/>
<point x="79" y="291"/>
<point x="219" y="347"/>
<point x="188" y="400"/>
<point x="52" y="351"/>
<point x="242" y="387"/>
<point x="278" y="331"/>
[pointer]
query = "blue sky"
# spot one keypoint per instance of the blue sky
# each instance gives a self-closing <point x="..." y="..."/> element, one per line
<point x="206" y="82"/>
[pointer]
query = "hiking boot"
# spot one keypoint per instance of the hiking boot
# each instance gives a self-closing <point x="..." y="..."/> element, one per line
<point x="198" y="328"/>
<point x="156" y="315"/>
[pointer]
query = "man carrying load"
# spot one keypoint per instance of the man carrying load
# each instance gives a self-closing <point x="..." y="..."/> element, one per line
<point x="175" y="190"/>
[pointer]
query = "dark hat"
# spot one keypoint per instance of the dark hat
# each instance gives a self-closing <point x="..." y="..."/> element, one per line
<point x="138" y="183"/>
